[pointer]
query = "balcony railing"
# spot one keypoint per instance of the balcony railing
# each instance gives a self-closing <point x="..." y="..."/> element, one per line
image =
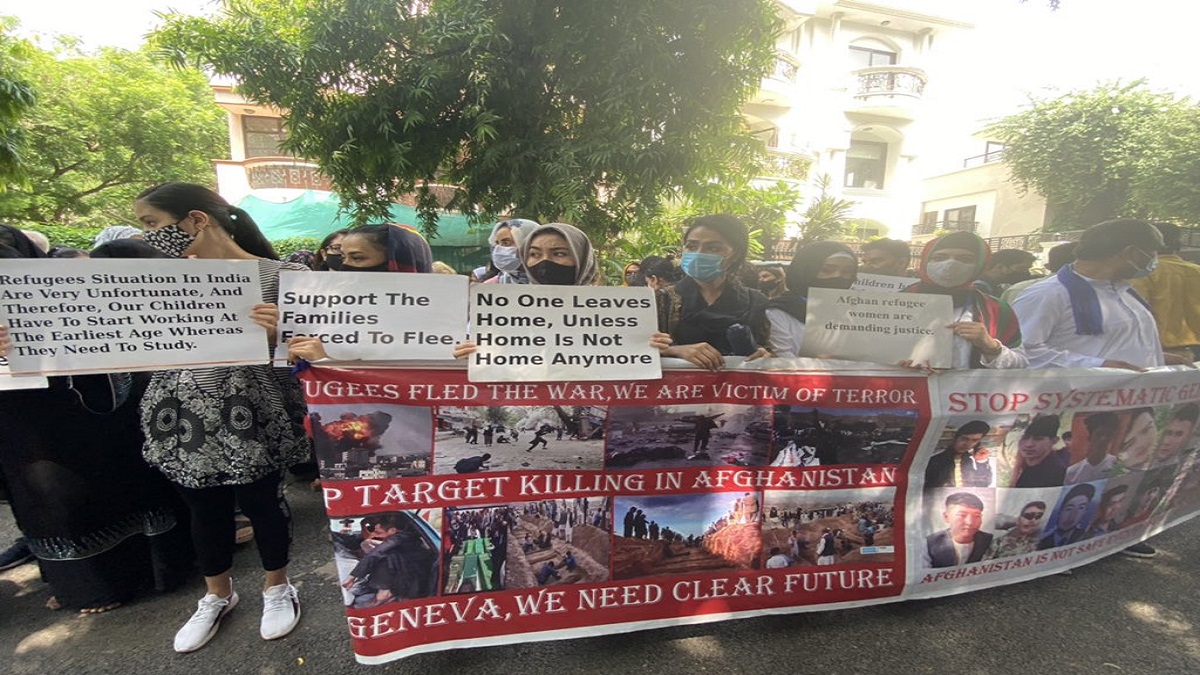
<point x="786" y="69"/>
<point x="890" y="81"/>
<point x="790" y="165"/>
<point x="985" y="158"/>
<point x="946" y="225"/>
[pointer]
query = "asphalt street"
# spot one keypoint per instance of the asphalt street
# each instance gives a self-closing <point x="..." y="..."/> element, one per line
<point x="1117" y="616"/>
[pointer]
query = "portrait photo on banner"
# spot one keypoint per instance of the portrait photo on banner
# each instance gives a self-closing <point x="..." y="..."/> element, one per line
<point x="516" y="438"/>
<point x="528" y="545"/>
<point x="677" y="436"/>
<point x="686" y="534"/>
<point x="360" y="441"/>
<point x="806" y="436"/>
<point x="804" y="528"/>
<point x="387" y="557"/>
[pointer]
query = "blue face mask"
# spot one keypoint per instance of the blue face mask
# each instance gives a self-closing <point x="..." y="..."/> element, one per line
<point x="702" y="266"/>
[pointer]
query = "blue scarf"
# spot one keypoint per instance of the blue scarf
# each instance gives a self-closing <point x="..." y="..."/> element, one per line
<point x="1085" y="304"/>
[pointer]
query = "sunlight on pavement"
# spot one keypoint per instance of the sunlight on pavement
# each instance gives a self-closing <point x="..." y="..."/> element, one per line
<point x="53" y="637"/>
<point x="1167" y="621"/>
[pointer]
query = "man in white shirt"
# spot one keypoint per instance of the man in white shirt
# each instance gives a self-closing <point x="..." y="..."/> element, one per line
<point x="1102" y="437"/>
<point x="1087" y="315"/>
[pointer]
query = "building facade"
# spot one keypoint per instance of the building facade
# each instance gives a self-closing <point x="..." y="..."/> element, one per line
<point x="846" y="96"/>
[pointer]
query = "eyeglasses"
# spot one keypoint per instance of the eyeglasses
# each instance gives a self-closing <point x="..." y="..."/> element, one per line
<point x="336" y="248"/>
<point x="1033" y="515"/>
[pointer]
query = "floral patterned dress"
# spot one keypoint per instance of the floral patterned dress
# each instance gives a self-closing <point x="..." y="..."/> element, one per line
<point x="226" y="426"/>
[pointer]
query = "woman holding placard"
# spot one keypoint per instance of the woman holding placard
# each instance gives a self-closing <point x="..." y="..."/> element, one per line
<point x="986" y="332"/>
<point x="390" y="247"/>
<point x="709" y="314"/>
<point x="822" y="264"/>
<point x="506" y="240"/>
<point x="101" y="522"/>
<point x="225" y="435"/>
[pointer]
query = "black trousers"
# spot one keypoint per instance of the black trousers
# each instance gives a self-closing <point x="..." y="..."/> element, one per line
<point x="213" y="526"/>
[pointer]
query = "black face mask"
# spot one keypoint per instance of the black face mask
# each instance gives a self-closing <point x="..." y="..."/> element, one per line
<point x="768" y="286"/>
<point x="837" y="283"/>
<point x="381" y="267"/>
<point x="334" y="261"/>
<point x="553" y="274"/>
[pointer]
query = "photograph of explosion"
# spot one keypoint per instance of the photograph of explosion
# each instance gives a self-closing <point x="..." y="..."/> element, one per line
<point x="830" y="527"/>
<point x="664" y="437"/>
<point x="387" y="557"/>
<point x="684" y="534"/>
<point x="826" y="436"/>
<point x="513" y="438"/>
<point x="370" y="441"/>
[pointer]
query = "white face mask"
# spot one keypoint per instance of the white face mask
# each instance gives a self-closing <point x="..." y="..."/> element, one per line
<point x="506" y="258"/>
<point x="950" y="273"/>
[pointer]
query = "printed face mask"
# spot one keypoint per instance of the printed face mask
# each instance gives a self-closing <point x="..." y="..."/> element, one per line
<point x="553" y="274"/>
<point x="950" y="273"/>
<point x="506" y="258"/>
<point x="702" y="266"/>
<point x="169" y="239"/>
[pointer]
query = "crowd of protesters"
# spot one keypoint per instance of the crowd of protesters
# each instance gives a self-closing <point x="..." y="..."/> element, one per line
<point x="1114" y="299"/>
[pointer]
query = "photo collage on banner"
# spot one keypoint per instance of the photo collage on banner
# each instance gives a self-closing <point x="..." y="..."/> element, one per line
<point x="999" y="487"/>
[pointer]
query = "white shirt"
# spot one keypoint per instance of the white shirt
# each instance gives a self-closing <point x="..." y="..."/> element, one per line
<point x="1084" y="471"/>
<point x="1048" y="335"/>
<point x="787" y="332"/>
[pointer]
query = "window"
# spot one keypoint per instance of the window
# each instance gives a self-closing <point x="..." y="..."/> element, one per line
<point x="263" y="135"/>
<point x="929" y="218"/>
<point x="866" y="164"/>
<point x="962" y="218"/>
<point x="865" y="57"/>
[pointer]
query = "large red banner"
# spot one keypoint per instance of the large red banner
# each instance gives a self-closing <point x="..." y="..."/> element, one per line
<point x="466" y="514"/>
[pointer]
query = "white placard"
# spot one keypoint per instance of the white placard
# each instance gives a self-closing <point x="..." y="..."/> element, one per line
<point x="880" y="327"/>
<point x="10" y="382"/>
<point x="102" y="316"/>
<point x="881" y="282"/>
<point x="539" y="333"/>
<point x="374" y="316"/>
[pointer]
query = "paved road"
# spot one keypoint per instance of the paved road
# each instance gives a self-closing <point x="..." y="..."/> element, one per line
<point x="1118" y="616"/>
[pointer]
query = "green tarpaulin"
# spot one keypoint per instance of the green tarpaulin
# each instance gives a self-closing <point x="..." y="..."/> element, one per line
<point x="315" y="214"/>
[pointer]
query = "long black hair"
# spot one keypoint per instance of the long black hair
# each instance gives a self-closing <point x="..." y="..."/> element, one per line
<point x="178" y="199"/>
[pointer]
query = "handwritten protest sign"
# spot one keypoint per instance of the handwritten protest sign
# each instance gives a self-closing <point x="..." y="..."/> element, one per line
<point x="374" y="317"/>
<point x="87" y="316"/>
<point x="562" y="332"/>
<point x="881" y="327"/>
<point x="881" y="282"/>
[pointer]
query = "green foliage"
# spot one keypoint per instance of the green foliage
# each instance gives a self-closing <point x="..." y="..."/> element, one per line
<point x="592" y="113"/>
<point x="1115" y="150"/>
<point x="105" y="127"/>
<point x="826" y="217"/>
<point x="17" y="97"/>
<point x="288" y="246"/>
<point x="80" y="237"/>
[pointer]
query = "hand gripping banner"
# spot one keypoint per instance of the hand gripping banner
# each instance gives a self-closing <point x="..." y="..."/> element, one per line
<point x="470" y="514"/>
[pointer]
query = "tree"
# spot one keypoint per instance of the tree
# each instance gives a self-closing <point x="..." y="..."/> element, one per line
<point x="16" y="99"/>
<point x="1100" y="153"/>
<point x="105" y="127"/>
<point x="826" y="217"/>
<point x="589" y="112"/>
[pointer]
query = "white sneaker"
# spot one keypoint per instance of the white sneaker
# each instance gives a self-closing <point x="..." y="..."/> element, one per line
<point x="204" y="623"/>
<point x="281" y="611"/>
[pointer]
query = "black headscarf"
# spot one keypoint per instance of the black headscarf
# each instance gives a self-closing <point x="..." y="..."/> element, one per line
<point x="127" y="248"/>
<point x="15" y="240"/>
<point x="802" y="275"/>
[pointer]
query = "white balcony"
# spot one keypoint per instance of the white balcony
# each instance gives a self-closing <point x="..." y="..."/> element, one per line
<point x="888" y="91"/>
